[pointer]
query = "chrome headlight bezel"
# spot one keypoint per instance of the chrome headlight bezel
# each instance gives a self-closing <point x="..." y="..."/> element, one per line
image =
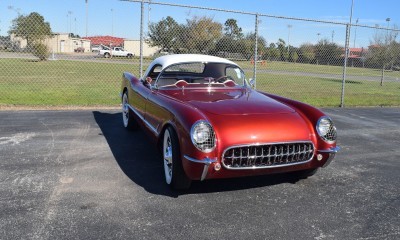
<point x="326" y="129"/>
<point x="203" y="136"/>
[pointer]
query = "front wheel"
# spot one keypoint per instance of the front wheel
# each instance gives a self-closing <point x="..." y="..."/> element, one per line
<point x="174" y="173"/>
<point x="107" y="55"/>
<point x="127" y="115"/>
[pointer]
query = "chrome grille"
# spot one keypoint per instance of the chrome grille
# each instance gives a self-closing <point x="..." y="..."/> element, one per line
<point x="267" y="155"/>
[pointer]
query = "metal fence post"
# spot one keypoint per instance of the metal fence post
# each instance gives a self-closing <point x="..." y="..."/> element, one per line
<point x="346" y="55"/>
<point x="141" y="38"/>
<point x="255" y="53"/>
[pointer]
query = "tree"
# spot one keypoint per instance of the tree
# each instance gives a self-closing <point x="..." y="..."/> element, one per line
<point x="226" y="44"/>
<point x="284" y="55"/>
<point x="72" y="35"/>
<point x="232" y="30"/>
<point x="201" y="34"/>
<point x="327" y="52"/>
<point x="293" y="55"/>
<point x="247" y="44"/>
<point x="34" y="30"/>
<point x="229" y="43"/>
<point x="383" y="52"/>
<point x="32" y="27"/>
<point x="306" y="53"/>
<point x="164" y="34"/>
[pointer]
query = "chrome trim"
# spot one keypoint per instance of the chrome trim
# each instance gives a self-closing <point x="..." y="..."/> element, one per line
<point x="330" y="150"/>
<point x="332" y="153"/>
<point x="266" y="167"/>
<point x="206" y="161"/>
<point x="144" y="120"/>
<point x="195" y="144"/>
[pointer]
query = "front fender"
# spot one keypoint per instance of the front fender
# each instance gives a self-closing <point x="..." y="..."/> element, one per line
<point x="309" y="113"/>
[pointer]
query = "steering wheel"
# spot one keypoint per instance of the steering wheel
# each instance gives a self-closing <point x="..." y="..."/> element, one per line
<point x="221" y="79"/>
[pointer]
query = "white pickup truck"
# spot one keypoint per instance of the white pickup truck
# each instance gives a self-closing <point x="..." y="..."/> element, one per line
<point x="115" y="52"/>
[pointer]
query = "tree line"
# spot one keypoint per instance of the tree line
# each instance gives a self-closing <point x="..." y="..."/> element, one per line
<point x="204" y="35"/>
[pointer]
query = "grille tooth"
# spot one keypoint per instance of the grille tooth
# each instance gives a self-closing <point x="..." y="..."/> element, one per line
<point x="268" y="155"/>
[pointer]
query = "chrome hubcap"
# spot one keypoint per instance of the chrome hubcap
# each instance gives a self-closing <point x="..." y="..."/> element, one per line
<point x="167" y="153"/>
<point x="125" y="110"/>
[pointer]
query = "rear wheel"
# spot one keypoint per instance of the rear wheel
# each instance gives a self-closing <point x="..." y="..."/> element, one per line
<point x="127" y="115"/>
<point x="107" y="55"/>
<point x="174" y="174"/>
<point x="129" y="56"/>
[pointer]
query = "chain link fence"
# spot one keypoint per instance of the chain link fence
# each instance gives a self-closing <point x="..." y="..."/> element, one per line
<point x="302" y="59"/>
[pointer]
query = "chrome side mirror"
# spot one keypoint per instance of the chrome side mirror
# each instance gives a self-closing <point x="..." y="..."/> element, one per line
<point x="252" y="83"/>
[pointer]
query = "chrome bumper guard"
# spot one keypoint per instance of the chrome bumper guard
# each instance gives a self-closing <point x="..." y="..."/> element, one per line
<point x="332" y="152"/>
<point x="206" y="161"/>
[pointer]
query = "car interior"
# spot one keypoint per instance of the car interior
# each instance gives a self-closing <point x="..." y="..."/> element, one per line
<point x="211" y="74"/>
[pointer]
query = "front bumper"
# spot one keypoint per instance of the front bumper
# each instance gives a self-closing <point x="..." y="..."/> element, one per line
<point x="206" y="170"/>
<point x="206" y="161"/>
<point x="331" y="152"/>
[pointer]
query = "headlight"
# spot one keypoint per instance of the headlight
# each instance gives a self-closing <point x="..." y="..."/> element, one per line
<point x="203" y="136"/>
<point x="326" y="130"/>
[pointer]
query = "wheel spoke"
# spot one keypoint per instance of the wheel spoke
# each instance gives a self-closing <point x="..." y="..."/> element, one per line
<point x="168" y="157"/>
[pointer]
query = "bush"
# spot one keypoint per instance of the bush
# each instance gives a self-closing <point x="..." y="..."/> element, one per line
<point x="41" y="51"/>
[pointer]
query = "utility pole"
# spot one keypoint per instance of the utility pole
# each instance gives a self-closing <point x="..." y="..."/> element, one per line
<point x="141" y="38"/>
<point x="86" y="17"/>
<point x="112" y="22"/>
<point x="355" y="34"/>
<point x="333" y="34"/>
<point x="288" y="40"/>
<point x="387" y="31"/>
<point x="70" y="21"/>
<point x="346" y="54"/>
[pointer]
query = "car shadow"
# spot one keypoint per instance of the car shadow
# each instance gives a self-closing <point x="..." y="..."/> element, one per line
<point x="140" y="160"/>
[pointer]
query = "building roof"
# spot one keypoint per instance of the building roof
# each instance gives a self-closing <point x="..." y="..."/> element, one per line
<point x="356" y="50"/>
<point x="106" y="40"/>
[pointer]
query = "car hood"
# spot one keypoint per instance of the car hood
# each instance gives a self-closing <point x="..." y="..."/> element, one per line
<point x="238" y="101"/>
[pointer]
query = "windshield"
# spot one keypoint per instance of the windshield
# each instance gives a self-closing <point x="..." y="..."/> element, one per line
<point x="201" y="74"/>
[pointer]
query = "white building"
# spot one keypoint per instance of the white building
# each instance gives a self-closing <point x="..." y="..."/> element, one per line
<point x="133" y="46"/>
<point x="58" y="43"/>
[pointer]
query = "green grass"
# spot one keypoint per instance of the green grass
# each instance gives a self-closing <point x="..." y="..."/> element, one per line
<point x="26" y="82"/>
<point x="326" y="92"/>
<point x="76" y="83"/>
<point x="313" y="68"/>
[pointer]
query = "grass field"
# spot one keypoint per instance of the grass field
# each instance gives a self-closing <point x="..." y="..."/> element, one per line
<point x="312" y="68"/>
<point x="77" y="83"/>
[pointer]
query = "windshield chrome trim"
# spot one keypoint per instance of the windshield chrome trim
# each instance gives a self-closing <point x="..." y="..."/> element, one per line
<point x="244" y="83"/>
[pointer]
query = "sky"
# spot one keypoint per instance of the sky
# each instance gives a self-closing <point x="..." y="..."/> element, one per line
<point x="122" y="18"/>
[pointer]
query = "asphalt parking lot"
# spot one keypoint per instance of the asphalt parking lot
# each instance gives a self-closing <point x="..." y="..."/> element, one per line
<point x="80" y="175"/>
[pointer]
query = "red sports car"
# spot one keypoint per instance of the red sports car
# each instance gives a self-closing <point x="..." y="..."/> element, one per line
<point x="210" y="123"/>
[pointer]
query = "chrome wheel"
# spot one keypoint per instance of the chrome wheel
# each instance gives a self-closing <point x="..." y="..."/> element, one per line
<point x="167" y="154"/>
<point x="125" y="110"/>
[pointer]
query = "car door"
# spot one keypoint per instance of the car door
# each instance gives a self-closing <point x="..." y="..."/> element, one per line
<point x="138" y="98"/>
<point x="156" y="109"/>
<point x="117" y="52"/>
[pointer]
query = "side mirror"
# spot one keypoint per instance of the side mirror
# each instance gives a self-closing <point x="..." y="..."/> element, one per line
<point x="252" y="82"/>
